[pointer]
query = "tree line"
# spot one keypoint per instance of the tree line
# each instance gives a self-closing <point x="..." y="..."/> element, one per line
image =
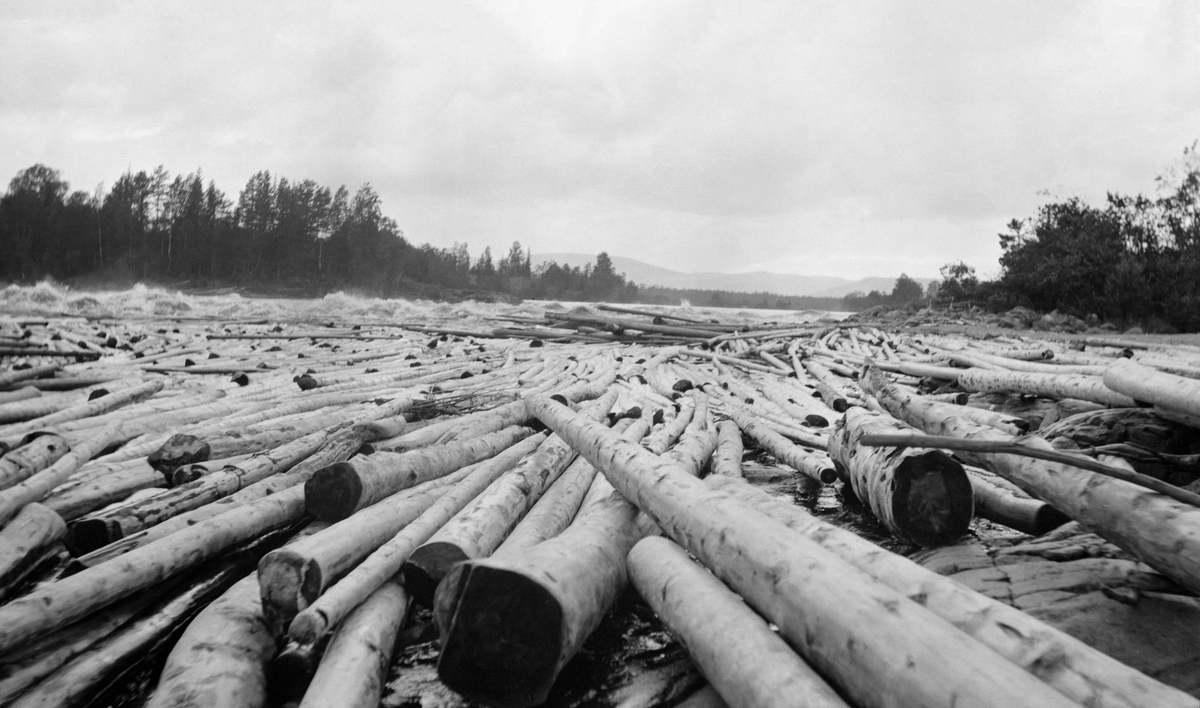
<point x="1133" y="260"/>
<point x="277" y="233"/>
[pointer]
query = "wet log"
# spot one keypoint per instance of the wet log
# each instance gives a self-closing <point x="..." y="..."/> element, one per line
<point x="727" y="460"/>
<point x="68" y="599"/>
<point x="292" y="578"/>
<point x="794" y="456"/>
<point x="29" y="540"/>
<point x="21" y="670"/>
<point x="480" y="527"/>
<point x="85" y="676"/>
<point x="38" y="485"/>
<point x="922" y="497"/>
<point x="355" y="665"/>
<point x="384" y="562"/>
<point x="32" y="457"/>
<point x="737" y="652"/>
<point x="338" y="491"/>
<point x="102" y="528"/>
<point x="1075" y="669"/>
<point x="996" y="504"/>
<point x="833" y="614"/>
<point x="1087" y="388"/>
<point x="78" y="497"/>
<point x="823" y="381"/>
<point x="1160" y="531"/>
<point x="220" y="659"/>
<point x="8" y="378"/>
<point x="103" y="404"/>
<point x="555" y="510"/>
<point x="20" y="394"/>
<point x="511" y="623"/>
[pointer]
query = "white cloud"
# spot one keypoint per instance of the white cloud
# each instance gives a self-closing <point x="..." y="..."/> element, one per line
<point x="852" y="139"/>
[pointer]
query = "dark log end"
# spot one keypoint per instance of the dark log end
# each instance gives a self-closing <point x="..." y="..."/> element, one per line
<point x="183" y="475"/>
<point x="290" y="673"/>
<point x="505" y="639"/>
<point x="829" y="475"/>
<point x="933" y="503"/>
<point x="682" y="385"/>
<point x="333" y="492"/>
<point x="427" y="566"/>
<point x="816" y="421"/>
<point x="1047" y="519"/>
<point x="87" y="535"/>
<point x="177" y="451"/>
<point x="839" y="405"/>
<point x="306" y="382"/>
<point x="241" y="379"/>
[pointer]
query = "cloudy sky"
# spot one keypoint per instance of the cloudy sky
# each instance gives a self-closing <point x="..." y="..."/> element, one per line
<point x="850" y="138"/>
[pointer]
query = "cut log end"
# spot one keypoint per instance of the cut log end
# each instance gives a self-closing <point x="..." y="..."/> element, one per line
<point x="177" y="451"/>
<point x="426" y="568"/>
<point x="1047" y="519"/>
<point x="933" y="502"/>
<point x="333" y="492"/>
<point x="87" y="535"/>
<point x="475" y="661"/>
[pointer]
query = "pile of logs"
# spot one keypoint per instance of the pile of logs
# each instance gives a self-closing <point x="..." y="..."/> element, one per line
<point x="256" y="511"/>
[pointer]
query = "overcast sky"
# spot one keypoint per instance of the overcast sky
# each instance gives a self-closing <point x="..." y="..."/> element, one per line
<point x="849" y="138"/>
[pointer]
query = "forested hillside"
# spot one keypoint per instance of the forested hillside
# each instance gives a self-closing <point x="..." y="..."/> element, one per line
<point x="289" y="235"/>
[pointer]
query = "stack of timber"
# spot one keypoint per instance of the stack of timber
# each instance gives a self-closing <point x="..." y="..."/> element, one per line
<point x="607" y="505"/>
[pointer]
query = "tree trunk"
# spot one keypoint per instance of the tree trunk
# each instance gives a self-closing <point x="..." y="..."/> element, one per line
<point x="794" y="456"/>
<point x="1087" y="388"/>
<point x="31" y="458"/>
<point x="1021" y="513"/>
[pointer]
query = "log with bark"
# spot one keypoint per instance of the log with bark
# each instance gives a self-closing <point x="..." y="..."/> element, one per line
<point x="32" y="457"/>
<point x="26" y="542"/>
<point x="922" y="497"/>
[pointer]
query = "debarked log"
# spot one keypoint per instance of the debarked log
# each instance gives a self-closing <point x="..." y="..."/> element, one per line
<point x="1160" y="531"/>
<point x="878" y="647"/>
<point x="29" y="540"/>
<point x="737" y="652"/>
<point x="1078" y="671"/>
<point x="338" y="491"/>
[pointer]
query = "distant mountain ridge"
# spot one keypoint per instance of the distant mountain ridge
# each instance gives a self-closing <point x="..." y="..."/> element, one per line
<point x="757" y="281"/>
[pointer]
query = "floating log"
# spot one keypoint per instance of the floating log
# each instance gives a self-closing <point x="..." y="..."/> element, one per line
<point x="385" y="562"/>
<point x="38" y="485"/>
<point x="727" y="460"/>
<point x="794" y="456"/>
<point x="30" y="539"/>
<point x="510" y="623"/>
<point x="220" y="659"/>
<point x="1159" y="531"/>
<point x="823" y="381"/>
<point x="830" y="612"/>
<point x="1079" y="672"/>
<point x="1087" y="388"/>
<point x="8" y="378"/>
<point x="922" y="497"/>
<point x="1031" y="516"/>
<point x="338" y="491"/>
<point x="78" y="682"/>
<point x="32" y="457"/>
<point x="1175" y="393"/>
<point x="355" y="665"/>
<point x="21" y="670"/>
<point x="737" y="652"/>
<point x="59" y="603"/>
<point x="90" y="408"/>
